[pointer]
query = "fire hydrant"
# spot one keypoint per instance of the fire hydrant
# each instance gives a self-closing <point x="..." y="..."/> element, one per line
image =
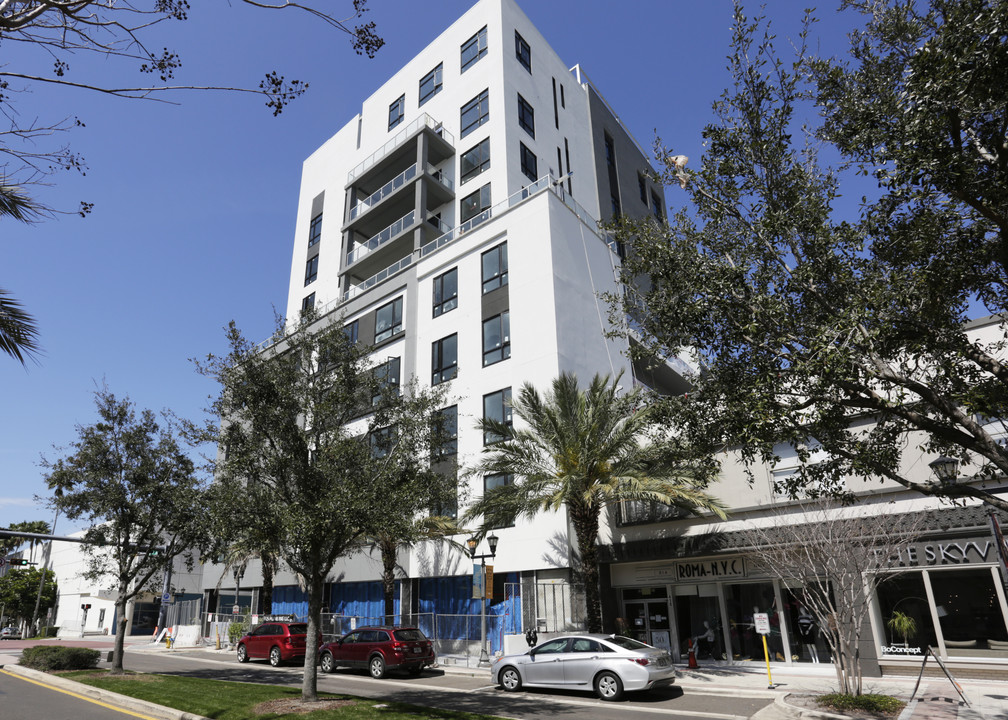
<point x="692" y="664"/>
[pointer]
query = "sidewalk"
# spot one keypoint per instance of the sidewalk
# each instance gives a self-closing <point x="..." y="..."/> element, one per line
<point x="936" y="698"/>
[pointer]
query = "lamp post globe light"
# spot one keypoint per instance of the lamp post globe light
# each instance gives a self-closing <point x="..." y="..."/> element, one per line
<point x="472" y="543"/>
<point x="946" y="469"/>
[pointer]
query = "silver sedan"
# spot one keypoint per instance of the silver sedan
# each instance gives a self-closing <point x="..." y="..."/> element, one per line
<point x="608" y="664"/>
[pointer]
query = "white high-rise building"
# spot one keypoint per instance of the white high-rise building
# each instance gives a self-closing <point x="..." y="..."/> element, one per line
<point x="453" y="223"/>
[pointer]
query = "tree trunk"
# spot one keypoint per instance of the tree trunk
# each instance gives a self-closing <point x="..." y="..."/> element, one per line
<point x="388" y="556"/>
<point x="120" y="637"/>
<point x="309" y="686"/>
<point x="585" y="520"/>
<point x="267" y="587"/>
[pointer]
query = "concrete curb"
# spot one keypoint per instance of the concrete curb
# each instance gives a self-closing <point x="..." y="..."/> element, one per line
<point x="121" y="701"/>
<point x="804" y="712"/>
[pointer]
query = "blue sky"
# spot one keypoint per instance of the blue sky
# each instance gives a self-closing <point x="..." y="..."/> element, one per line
<point x="194" y="203"/>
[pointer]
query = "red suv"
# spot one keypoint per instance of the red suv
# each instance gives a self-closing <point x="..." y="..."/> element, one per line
<point x="378" y="649"/>
<point x="278" y="641"/>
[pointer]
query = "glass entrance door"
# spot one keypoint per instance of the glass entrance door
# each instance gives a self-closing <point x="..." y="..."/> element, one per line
<point x="646" y="612"/>
<point x="698" y="619"/>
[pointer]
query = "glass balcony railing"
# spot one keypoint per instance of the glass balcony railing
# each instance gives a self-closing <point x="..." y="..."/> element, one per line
<point x="383" y="192"/>
<point x="441" y="177"/>
<point x="455" y="233"/>
<point x="398" y="139"/>
<point x="388" y="272"/>
<point x="376" y="241"/>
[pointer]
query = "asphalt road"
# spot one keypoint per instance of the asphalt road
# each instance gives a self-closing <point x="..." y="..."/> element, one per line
<point x="435" y="688"/>
<point x="22" y="699"/>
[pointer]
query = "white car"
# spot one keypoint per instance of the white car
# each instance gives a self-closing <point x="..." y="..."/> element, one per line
<point x="10" y="633"/>
<point x="607" y="664"/>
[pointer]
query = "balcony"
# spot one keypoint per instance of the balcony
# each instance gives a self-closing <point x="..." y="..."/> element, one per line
<point x="441" y="146"/>
<point x="379" y="239"/>
<point x="383" y="192"/>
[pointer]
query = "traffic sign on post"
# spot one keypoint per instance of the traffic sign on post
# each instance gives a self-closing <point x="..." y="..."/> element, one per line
<point x="762" y="621"/>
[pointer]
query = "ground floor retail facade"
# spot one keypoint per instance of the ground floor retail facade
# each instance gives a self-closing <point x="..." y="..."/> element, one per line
<point x="948" y="594"/>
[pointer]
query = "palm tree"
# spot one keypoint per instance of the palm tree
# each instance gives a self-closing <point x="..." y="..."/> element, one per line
<point x="18" y="331"/>
<point x="585" y="451"/>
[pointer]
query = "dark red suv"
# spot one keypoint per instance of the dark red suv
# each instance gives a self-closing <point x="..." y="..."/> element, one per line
<point x="278" y="641"/>
<point x="379" y="649"/>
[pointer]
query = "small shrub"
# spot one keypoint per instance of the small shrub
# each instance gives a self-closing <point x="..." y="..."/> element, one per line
<point x="235" y="631"/>
<point x="49" y="631"/>
<point x="54" y="657"/>
<point x="871" y="703"/>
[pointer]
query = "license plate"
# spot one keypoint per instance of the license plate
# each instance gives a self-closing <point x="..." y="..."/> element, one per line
<point x="416" y="650"/>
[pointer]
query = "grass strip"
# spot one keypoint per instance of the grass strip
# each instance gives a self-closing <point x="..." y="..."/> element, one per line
<point x="881" y="705"/>
<point x="223" y="700"/>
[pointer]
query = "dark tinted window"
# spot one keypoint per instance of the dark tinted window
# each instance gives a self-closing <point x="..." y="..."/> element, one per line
<point x="368" y="636"/>
<point x="523" y="52"/>
<point x="474" y="48"/>
<point x="475" y="161"/>
<point x="627" y="643"/>
<point x="430" y="84"/>
<point x="298" y="628"/>
<point x="409" y="635"/>
<point x="475" y="113"/>
<point x="526" y="116"/>
<point x="381" y="636"/>
<point x="553" y="646"/>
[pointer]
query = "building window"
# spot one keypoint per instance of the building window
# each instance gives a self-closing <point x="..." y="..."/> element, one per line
<point x="497" y="338"/>
<point x="610" y="152"/>
<point x="642" y="186"/>
<point x="311" y="270"/>
<point x="445" y="432"/>
<point x="472" y="205"/>
<point x="523" y="52"/>
<point x="656" y="206"/>
<point x="430" y="84"/>
<point x="496" y="406"/>
<point x="388" y="320"/>
<point x="570" y="189"/>
<point x="446" y="292"/>
<point x="493" y="481"/>
<point x="315" y="230"/>
<point x="495" y="268"/>
<point x="475" y="161"/>
<point x="617" y="210"/>
<point x="526" y="116"/>
<point x="474" y="48"/>
<point x="529" y="163"/>
<point x="396" y="111"/>
<point x="308" y="303"/>
<point x="382" y="441"/>
<point x="387" y="379"/>
<point x="563" y="100"/>
<point x="350" y="330"/>
<point x="444" y="359"/>
<point x="475" y="113"/>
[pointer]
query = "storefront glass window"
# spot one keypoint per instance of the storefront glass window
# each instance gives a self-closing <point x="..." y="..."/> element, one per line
<point x="699" y="620"/>
<point x="647" y="616"/>
<point x="743" y="601"/>
<point x="969" y="612"/>
<point x="807" y="641"/>
<point x="906" y="617"/>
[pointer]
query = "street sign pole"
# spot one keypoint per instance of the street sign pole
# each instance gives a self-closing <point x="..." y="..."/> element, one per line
<point x="762" y="623"/>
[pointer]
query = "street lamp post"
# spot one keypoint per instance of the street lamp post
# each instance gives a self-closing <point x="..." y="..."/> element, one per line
<point x="472" y="542"/>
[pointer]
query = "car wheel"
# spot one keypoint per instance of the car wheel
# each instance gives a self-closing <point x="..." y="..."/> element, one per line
<point x="376" y="666"/>
<point x="275" y="658"/>
<point x="510" y="680"/>
<point x="328" y="664"/>
<point x="242" y="654"/>
<point x="608" y="686"/>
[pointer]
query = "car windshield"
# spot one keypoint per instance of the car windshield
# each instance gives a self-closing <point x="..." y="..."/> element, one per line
<point x="627" y="643"/>
<point x="409" y="635"/>
<point x="298" y="628"/>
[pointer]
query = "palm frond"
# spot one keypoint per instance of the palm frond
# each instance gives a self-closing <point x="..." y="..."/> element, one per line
<point x="18" y="330"/>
